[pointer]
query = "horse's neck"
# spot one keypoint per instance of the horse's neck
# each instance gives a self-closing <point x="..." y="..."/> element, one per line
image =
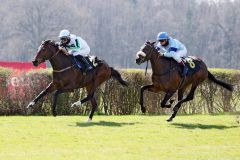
<point x="60" y="61"/>
<point x="159" y="64"/>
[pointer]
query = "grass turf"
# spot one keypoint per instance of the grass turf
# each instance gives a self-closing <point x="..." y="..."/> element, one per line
<point x="197" y="137"/>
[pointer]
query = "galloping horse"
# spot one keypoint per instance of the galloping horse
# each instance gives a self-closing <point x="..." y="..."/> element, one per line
<point x="66" y="77"/>
<point x="166" y="77"/>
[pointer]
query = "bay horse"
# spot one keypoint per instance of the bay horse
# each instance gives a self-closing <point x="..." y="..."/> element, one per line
<point x="166" y="77"/>
<point x="66" y="77"/>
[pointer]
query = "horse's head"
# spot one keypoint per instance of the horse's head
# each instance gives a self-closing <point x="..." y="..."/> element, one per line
<point x="145" y="53"/>
<point x="46" y="51"/>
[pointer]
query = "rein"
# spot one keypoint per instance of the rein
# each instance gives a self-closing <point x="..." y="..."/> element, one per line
<point x="64" y="69"/>
<point x="148" y="60"/>
<point x="162" y="74"/>
<point x="54" y="55"/>
<point x="146" y="68"/>
<point x="61" y="70"/>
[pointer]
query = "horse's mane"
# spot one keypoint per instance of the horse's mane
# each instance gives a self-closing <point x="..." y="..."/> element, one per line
<point x="52" y="42"/>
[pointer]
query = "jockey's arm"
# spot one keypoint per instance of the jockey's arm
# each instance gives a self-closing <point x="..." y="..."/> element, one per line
<point x="63" y="50"/>
<point x="160" y="50"/>
<point x="169" y="54"/>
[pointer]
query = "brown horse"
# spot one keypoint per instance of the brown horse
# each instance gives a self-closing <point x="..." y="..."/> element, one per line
<point x="166" y="77"/>
<point x="66" y="77"/>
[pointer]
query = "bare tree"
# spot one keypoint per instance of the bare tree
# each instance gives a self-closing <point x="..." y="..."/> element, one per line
<point x="40" y="20"/>
<point x="115" y="30"/>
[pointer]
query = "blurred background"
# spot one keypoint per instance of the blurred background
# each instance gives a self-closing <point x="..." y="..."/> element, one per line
<point x="115" y="30"/>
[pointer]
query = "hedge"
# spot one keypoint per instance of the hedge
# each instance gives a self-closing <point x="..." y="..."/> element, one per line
<point x="18" y="88"/>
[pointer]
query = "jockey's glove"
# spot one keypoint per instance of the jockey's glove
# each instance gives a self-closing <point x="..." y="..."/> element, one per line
<point x="63" y="50"/>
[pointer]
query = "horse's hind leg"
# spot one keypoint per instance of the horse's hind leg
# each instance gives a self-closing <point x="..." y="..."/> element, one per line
<point x="90" y="96"/>
<point x="54" y="111"/>
<point x="189" y="97"/>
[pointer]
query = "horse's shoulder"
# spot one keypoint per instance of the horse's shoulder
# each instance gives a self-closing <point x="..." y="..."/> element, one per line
<point x="167" y="59"/>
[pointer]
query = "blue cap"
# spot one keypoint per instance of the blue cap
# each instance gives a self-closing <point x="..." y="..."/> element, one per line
<point x="162" y="36"/>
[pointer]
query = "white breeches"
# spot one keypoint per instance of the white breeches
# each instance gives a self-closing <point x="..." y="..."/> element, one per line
<point x="177" y="55"/>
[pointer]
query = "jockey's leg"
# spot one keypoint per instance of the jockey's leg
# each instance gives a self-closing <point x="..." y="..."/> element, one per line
<point x="184" y="69"/>
<point x="86" y="64"/>
<point x="178" y="58"/>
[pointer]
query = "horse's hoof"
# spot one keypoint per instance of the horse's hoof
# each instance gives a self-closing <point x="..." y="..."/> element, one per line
<point x="169" y="120"/>
<point x="143" y="110"/>
<point x="78" y="103"/>
<point x="30" y="105"/>
<point x="171" y="101"/>
<point x="54" y="113"/>
<point x="89" y="120"/>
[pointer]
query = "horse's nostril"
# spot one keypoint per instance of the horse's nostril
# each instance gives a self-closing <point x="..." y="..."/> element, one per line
<point x="138" y="61"/>
<point x="35" y="63"/>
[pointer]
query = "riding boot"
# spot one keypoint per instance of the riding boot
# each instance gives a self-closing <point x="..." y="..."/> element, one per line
<point x="184" y="69"/>
<point x="86" y="65"/>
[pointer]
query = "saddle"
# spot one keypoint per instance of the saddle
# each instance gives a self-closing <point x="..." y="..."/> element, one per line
<point x="91" y="60"/>
<point x="192" y="63"/>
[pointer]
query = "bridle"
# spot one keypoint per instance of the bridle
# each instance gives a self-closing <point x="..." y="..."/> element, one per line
<point x="56" y="53"/>
<point x="150" y="52"/>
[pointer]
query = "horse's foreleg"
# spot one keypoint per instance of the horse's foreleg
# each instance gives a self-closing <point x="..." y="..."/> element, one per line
<point x="165" y="100"/>
<point x="143" y="88"/>
<point x="189" y="97"/>
<point x="49" y="89"/>
<point x="55" y="97"/>
<point x="180" y="94"/>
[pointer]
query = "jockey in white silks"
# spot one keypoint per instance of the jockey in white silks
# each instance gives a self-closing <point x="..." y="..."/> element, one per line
<point x="75" y="46"/>
<point x="169" y="47"/>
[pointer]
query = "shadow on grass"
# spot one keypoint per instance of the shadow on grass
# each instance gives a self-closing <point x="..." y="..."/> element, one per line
<point x="103" y="123"/>
<point x="202" y="126"/>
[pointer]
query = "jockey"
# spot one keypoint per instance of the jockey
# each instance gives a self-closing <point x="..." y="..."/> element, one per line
<point x="75" y="46"/>
<point x="169" y="47"/>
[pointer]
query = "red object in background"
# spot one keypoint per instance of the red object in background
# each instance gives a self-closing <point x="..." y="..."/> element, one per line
<point x="17" y="82"/>
<point x="22" y="65"/>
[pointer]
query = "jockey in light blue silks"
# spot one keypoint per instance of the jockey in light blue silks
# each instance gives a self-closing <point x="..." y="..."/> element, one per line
<point x="75" y="46"/>
<point x="169" y="47"/>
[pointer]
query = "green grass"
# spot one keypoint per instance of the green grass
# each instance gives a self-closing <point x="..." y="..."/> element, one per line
<point x="197" y="137"/>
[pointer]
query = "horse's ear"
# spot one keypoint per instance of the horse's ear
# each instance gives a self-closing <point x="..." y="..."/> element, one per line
<point x="153" y="43"/>
<point x="148" y="42"/>
<point x="46" y="41"/>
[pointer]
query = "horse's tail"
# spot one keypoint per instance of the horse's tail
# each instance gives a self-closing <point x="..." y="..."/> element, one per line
<point x="116" y="75"/>
<point x="219" y="82"/>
